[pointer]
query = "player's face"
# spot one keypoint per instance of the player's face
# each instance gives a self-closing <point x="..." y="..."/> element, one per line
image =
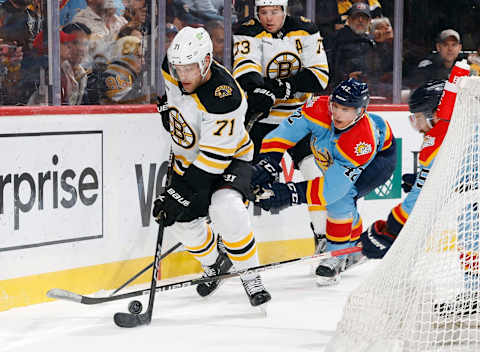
<point x="271" y="17"/>
<point x="419" y="122"/>
<point x="189" y="75"/>
<point x="342" y="115"/>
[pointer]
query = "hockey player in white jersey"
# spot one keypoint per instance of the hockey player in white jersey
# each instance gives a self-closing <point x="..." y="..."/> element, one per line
<point x="204" y="111"/>
<point x="280" y="61"/>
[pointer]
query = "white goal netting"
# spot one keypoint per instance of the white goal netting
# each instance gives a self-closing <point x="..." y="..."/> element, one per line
<point x="424" y="295"/>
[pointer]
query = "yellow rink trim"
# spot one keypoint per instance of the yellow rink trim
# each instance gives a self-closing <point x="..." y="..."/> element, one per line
<point x="30" y="290"/>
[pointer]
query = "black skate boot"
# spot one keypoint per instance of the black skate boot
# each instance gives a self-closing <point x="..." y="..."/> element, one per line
<point x="328" y="271"/>
<point x="252" y="283"/>
<point x="222" y="265"/>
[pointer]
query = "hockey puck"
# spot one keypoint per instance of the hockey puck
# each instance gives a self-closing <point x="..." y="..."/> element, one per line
<point x="135" y="307"/>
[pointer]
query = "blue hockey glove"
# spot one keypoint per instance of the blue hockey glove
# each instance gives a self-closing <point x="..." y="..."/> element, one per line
<point x="266" y="171"/>
<point x="408" y="180"/>
<point x="376" y="240"/>
<point x="277" y="196"/>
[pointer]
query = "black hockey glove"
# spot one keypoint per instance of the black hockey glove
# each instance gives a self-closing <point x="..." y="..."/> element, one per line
<point x="408" y="180"/>
<point x="282" y="88"/>
<point x="172" y="202"/>
<point x="376" y="240"/>
<point x="260" y="101"/>
<point x="277" y="196"/>
<point x="162" y="107"/>
<point x="265" y="171"/>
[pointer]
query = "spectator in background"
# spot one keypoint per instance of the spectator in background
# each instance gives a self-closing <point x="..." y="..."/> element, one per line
<point x="347" y="49"/>
<point x="10" y="60"/>
<point x="437" y="66"/>
<point x="327" y="18"/>
<point x="170" y="33"/>
<point x="121" y="80"/>
<point x="217" y="33"/>
<point x="129" y="30"/>
<point x="380" y="60"/>
<point x="474" y="60"/>
<point x="100" y="17"/>
<point x="200" y="11"/>
<point x="136" y="14"/>
<point x="39" y="95"/>
<point x="344" y="7"/>
<point x="20" y="23"/>
<point x="72" y="68"/>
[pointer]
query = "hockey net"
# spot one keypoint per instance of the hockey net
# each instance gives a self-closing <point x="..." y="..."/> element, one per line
<point x="424" y="295"/>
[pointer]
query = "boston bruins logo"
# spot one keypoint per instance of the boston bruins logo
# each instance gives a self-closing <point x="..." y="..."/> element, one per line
<point x="182" y="134"/>
<point x="284" y="65"/>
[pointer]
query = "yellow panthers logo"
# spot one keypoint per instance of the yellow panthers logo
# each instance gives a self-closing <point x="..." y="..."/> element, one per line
<point x="363" y="148"/>
<point x="223" y="91"/>
<point x="284" y="65"/>
<point x="322" y="156"/>
<point x="182" y="134"/>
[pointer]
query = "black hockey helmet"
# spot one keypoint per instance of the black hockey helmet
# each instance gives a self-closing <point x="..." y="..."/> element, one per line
<point x="426" y="97"/>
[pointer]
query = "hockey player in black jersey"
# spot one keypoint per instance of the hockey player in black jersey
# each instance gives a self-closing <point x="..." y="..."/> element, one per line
<point x="279" y="61"/>
<point x="204" y="112"/>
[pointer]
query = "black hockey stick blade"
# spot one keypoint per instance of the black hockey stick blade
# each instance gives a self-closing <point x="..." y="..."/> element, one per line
<point x="127" y="320"/>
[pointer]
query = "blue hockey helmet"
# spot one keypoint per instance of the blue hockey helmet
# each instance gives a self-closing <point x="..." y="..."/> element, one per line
<point x="351" y="93"/>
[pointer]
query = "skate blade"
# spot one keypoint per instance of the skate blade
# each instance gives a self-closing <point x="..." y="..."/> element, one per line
<point x="262" y="309"/>
<point x="327" y="281"/>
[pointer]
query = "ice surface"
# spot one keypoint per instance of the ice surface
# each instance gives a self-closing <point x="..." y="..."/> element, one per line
<point x="301" y="317"/>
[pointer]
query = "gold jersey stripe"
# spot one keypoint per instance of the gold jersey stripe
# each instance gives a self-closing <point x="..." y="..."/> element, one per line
<point x="241" y="243"/>
<point x="242" y="258"/>
<point x="204" y="244"/>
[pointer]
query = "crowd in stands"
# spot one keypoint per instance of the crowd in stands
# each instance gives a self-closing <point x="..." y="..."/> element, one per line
<point x="104" y="45"/>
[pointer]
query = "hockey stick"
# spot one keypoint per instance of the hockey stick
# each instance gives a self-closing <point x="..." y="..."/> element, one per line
<point x="146" y="268"/>
<point x="128" y="320"/>
<point x="74" y="297"/>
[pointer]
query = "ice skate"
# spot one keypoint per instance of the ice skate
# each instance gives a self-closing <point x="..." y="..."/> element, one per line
<point x="320" y="243"/>
<point x="256" y="292"/>
<point x="328" y="271"/>
<point x="221" y="266"/>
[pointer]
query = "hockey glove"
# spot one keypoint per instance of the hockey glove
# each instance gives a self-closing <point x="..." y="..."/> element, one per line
<point x="172" y="202"/>
<point x="408" y="180"/>
<point x="283" y="89"/>
<point x="162" y="108"/>
<point x="376" y="240"/>
<point x="267" y="170"/>
<point x="277" y="196"/>
<point x="260" y="101"/>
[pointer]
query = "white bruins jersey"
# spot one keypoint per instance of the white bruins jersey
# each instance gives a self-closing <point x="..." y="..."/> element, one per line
<point x="297" y="45"/>
<point x="207" y="126"/>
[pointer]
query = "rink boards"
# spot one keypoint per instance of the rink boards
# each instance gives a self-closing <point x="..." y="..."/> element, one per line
<point x="77" y="185"/>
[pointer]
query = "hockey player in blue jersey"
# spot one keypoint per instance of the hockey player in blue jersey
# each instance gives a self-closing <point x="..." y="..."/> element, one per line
<point x="356" y="153"/>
